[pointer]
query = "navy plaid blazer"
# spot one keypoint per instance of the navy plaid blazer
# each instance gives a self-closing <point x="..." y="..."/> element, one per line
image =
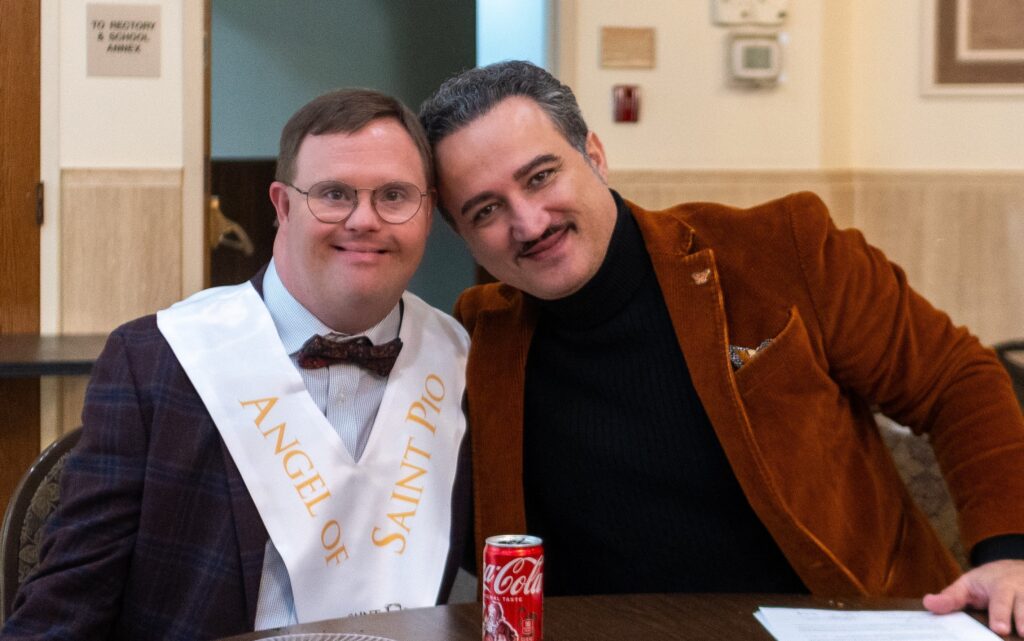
<point x="156" y="535"/>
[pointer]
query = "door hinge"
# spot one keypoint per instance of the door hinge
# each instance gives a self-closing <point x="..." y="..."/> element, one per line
<point x="39" y="203"/>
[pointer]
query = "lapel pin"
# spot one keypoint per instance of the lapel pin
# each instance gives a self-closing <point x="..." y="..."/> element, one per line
<point x="701" y="277"/>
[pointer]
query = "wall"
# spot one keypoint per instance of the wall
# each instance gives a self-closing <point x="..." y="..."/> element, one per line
<point x="269" y="58"/>
<point x="689" y="116"/>
<point x="98" y="123"/>
<point x="851" y="96"/>
<point x="894" y="126"/>
<point x="120" y="122"/>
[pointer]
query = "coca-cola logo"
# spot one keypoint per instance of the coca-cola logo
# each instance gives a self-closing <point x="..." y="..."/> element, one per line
<point x="519" y="577"/>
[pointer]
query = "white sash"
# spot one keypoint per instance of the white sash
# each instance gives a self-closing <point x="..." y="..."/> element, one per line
<point x="355" y="537"/>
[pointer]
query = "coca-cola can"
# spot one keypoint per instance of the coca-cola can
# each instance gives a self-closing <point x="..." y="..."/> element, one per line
<point x="513" y="588"/>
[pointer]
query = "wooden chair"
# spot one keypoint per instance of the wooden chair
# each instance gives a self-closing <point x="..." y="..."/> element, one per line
<point x="916" y="463"/>
<point x="31" y="505"/>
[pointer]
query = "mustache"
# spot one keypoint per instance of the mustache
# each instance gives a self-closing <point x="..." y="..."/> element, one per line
<point x="554" y="229"/>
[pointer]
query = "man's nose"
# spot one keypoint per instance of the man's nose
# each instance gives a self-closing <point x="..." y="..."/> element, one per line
<point x="529" y="221"/>
<point x="364" y="217"/>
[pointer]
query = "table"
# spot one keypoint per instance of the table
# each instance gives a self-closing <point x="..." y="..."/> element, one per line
<point x="643" y="617"/>
<point x="24" y="358"/>
<point x="31" y="355"/>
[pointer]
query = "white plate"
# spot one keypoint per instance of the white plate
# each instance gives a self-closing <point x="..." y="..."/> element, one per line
<point x="325" y="636"/>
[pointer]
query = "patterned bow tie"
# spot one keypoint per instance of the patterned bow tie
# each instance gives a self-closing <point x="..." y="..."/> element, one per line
<point x="321" y="351"/>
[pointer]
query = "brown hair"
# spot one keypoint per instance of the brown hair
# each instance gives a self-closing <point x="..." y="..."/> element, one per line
<point x="347" y="111"/>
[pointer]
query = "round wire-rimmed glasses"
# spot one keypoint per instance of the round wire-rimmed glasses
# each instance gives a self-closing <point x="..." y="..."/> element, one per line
<point x="333" y="202"/>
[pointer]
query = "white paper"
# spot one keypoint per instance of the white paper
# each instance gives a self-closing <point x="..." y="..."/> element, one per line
<point x="795" y="624"/>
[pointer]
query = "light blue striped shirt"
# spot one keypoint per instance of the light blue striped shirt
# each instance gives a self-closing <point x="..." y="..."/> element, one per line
<point x="346" y="394"/>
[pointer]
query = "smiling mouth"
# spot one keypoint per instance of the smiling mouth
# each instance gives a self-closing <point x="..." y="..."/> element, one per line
<point x="551" y="237"/>
<point x="360" y="250"/>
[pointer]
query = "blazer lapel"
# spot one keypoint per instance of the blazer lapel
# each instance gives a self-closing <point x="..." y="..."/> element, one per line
<point x="497" y="436"/>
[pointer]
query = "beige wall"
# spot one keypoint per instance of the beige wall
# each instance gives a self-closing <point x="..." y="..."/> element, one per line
<point x="120" y="122"/>
<point x="851" y="95"/>
<point x="689" y="117"/>
<point x="894" y="126"/>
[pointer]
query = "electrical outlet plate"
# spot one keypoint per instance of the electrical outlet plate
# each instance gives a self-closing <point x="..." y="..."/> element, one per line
<point x="749" y="12"/>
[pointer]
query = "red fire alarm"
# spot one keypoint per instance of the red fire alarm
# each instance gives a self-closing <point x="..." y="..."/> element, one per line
<point x="626" y="103"/>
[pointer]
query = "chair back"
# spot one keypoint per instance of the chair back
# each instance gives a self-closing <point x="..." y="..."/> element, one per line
<point x="31" y="505"/>
<point x="1011" y="355"/>
<point x="919" y="469"/>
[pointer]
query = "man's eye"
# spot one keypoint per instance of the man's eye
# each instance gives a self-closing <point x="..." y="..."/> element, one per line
<point x="541" y="177"/>
<point x="484" y="213"/>
<point x="393" y="195"/>
<point x="335" y="195"/>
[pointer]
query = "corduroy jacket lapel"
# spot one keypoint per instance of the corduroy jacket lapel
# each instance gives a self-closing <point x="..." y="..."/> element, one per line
<point x="499" y="455"/>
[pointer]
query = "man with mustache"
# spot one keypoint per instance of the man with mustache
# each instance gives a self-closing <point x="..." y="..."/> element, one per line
<point x="691" y="390"/>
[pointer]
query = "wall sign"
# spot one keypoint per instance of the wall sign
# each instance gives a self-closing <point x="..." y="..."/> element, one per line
<point x="123" y="40"/>
<point x="627" y="48"/>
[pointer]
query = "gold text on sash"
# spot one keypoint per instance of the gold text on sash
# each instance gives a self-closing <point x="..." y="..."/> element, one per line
<point x="408" y="489"/>
<point x="298" y="466"/>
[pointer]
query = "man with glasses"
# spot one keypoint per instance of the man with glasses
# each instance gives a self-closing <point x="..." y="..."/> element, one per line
<point x="285" y="450"/>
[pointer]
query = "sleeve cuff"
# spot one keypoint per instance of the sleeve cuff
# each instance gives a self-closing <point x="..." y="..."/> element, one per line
<point x="997" y="548"/>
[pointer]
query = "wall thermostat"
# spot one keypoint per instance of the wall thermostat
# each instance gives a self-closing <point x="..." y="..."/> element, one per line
<point x="755" y="59"/>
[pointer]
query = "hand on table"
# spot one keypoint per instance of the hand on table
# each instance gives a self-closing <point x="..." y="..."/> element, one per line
<point x="997" y="586"/>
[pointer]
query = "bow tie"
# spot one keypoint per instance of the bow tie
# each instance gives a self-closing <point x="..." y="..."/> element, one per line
<point x="321" y="351"/>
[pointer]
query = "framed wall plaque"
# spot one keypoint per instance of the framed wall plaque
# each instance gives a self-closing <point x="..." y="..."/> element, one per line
<point x="973" y="47"/>
<point x="627" y="48"/>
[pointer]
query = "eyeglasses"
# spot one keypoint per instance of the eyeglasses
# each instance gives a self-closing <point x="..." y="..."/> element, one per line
<point x="333" y="202"/>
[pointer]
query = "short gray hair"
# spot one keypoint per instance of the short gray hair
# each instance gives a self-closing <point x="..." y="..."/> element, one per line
<point x="467" y="96"/>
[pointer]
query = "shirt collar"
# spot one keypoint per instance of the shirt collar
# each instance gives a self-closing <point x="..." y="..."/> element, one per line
<point x="295" y="324"/>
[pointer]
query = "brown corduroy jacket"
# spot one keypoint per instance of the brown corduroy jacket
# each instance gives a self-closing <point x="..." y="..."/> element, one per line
<point x="795" y="421"/>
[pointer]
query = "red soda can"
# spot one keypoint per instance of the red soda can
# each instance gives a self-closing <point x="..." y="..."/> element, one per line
<point x="513" y="588"/>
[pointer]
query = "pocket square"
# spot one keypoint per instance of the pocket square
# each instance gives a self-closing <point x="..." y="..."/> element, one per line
<point x="740" y="356"/>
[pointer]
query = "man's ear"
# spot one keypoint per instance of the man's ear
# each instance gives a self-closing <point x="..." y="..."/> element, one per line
<point x="595" y="154"/>
<point x="282" y="203"/>
<point x="431" y="203"/>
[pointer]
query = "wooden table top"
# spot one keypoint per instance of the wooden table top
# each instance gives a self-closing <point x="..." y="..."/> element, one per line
<point x="645" y="617"/>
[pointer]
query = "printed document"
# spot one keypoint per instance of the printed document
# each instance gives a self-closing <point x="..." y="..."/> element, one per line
<point x="796" y="624"/>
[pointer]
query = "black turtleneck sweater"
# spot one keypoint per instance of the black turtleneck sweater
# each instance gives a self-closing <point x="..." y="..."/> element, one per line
<point x="625" y="479"/>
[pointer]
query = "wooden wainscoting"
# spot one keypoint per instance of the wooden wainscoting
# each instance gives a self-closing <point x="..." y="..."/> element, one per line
<point x="960" y="238"/>
<point x="120" y="245"/>
<point x="661" y="189"/>
<point x="958" y="235"/>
